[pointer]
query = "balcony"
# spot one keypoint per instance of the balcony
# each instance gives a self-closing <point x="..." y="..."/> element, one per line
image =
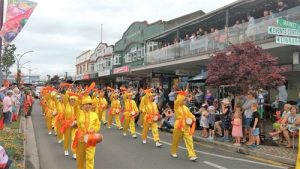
<point x="220" y="39"/>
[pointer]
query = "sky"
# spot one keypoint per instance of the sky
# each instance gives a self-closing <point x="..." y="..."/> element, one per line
<point x="59" y="30"/>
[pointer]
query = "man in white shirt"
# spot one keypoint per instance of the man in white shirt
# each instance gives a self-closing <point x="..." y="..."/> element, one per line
<point x="7" y="107"/>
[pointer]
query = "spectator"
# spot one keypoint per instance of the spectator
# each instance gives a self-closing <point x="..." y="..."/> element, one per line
<point x="279" y="118"/>
<point x="2" y="92"/>
<point x="275" y="104"/>
<point x="7" y="107"/>
<point x="254" y="140"/>
<point x="290" y="123"/>
<point x="248" y="114"/>
<point x="168" y="120"/>
<point x="172" y="98"/>
<point x="250" y="28"/>
<point x="298" y="103"/>
<point x="237" y="27"/>
<point x="187" y="37"/>
<point x="209" y="98"/>
<point x="198" y="96"/>
<point x="281" y="6"/>
<point x="237" y="130"/>
<point x="17" y="97"/>
<point x="211" y="122"/>
<point x="282" y="96"/>
<point x="5" y="162"/>
<point x="204" y="123"/>
<point x="225" y="121"/>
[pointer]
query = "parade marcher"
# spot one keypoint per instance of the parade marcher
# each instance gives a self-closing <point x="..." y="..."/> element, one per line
<point x="115" y="110"/>
<point x="59" y="117"/>
<point x="184" y="127"/>
<point x="69" y="121"/>
<point x="102" y="107"/>
<point x="85" y="137"/>
<point x="130" y="112"/>
<point x="151" y="118"/>
<point x="50" y="111"/>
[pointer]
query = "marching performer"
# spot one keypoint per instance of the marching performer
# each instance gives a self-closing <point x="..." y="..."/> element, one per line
<point x="51" y="110"/>
<point x="69" y="121"/>
<point x="130" y="112"/>
<point x="102" y="106"/>
<point x="86" y="135"/>
<point x="142" y="111"/>
<point x="184" y="127"/>
<point x="59" y="117"/>
<point x="151" y="118"/>
<point x="115" y="110"/>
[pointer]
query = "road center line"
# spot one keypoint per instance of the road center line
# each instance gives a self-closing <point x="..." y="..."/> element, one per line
<point x="214" y="165"/>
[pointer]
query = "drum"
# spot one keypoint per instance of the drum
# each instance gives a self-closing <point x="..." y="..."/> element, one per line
<point x="93" y="139"/>
<point x="156" y="118"/>
<point x="133" y="113"/>
<point x="189" y="121"/>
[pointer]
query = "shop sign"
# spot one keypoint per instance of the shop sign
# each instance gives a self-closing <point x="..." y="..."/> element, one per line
<point x="93" y="75"/>
<point x="104" y="73"/>
<point x="123" y="69"/>
<point x="86" y="77"/>
<point x="162" y="75"/>
<point x="288" y="40"/>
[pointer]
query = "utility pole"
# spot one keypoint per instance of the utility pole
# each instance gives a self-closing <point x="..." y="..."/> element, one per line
<point x="101" y="32"/>
<point x="1" y="23"/>
<point x="66" y="78"/>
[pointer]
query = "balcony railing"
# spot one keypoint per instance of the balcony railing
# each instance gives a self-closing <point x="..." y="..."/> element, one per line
<point x="220" y="39"/>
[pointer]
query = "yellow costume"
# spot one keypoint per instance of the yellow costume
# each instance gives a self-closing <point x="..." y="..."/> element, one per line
<point x="115" y="110"/>
<point x="298" y="156"/>
<point x="51" y="111"/>
<point x="142" y="110"/>
<point x="151" y="115"/>
<point x="69" y="119"/>
<point x="182" y="129"/>
<point x="88" y="123"/>
<point x="59" y="117"/>
<point x="130" y="112"/>
<point x="102" y="106"/>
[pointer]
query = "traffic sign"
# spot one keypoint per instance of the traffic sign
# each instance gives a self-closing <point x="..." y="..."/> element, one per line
<point x="288" y="40"/>
<point x="288" y="24"/>
<point x="283" y="31"/>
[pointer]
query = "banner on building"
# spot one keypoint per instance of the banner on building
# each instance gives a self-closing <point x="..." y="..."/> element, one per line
<point x="18" y="12"/>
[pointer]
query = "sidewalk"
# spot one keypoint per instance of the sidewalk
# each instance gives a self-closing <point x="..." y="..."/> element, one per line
<point x="275" y="153"/>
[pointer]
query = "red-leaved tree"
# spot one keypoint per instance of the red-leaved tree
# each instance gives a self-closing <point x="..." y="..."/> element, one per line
<point x="244" y="65"/>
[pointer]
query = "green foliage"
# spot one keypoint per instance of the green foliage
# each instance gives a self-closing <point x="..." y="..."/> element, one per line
<point x="8" y="58"/>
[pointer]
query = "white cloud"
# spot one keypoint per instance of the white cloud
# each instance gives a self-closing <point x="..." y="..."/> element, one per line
<point x="59" y="30"/>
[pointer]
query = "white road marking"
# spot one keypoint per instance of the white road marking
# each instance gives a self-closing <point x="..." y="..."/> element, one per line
<point x="221" y="156"/>
<point x="214" y="165"/>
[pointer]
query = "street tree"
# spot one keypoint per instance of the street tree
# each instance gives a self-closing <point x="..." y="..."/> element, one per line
<point x="244" y="65"/>
<point x="8" y="58"/>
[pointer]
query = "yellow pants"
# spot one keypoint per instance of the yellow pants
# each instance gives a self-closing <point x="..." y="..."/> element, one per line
<point x="188" y="140"/>
<point x="68" y="138"/>
<point x="129" y="122"/>
<point x="73" y="132"/>
<point x="85" y="156"/>
<point x="298" y="158"/>
<point x="141" y="119"/>
<point x="49" y="123"/>
<point x="117" y="119"/>
<point x="58" y="127"/>
<point x="102" y="116"/>
<point x="154" y="128"/>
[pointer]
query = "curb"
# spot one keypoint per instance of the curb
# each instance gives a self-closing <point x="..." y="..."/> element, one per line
<point x="246" y="151"/>
<point x="32" y="156"/>
<point x="22" y="129"/>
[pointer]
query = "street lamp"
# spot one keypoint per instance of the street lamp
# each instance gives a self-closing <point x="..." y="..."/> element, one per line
<point x="18" y="58"/>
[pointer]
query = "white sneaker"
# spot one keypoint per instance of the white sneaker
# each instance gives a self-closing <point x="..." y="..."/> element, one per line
<point x="124" y="134"/>
<point x="59" y="141"/>
<point x="144" y="141"/>
<point x="50" y="133"/>
<point x="66" y="153"/>
<point x="157" y="144"/>
<point x="74" y="156"/>
<point x="55" y="134"/>
<point x="134" y="136"/>
<point x="120" y="128"/>
<point x="193" y="158"/>
<point x="174" y="155"/>
<point x="109" y="127"/>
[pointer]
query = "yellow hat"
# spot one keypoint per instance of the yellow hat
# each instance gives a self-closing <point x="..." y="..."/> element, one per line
<point x="87" y="100"/>
<point x="73" y="97"/>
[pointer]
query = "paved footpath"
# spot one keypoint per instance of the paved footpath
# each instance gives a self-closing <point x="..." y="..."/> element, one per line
<point x="119" y="152"/>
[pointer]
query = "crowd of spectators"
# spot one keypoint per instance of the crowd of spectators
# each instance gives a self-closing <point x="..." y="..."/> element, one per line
<point x="242" y="30"/>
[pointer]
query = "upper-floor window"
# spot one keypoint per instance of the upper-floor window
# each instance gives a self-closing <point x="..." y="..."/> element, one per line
<point x="117" y="59"/>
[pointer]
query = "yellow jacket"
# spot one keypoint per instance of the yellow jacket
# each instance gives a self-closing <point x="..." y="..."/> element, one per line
<point x="51" y="108"/>
<point x="130" y="106"/>
<point x="115" y="106"/>
<point x="102" y="104"/>
<point x="151" y="111"/>
<point x="88" y="122"/>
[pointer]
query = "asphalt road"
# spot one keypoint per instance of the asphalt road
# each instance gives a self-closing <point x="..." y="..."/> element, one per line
<point x="119" y="152"/>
